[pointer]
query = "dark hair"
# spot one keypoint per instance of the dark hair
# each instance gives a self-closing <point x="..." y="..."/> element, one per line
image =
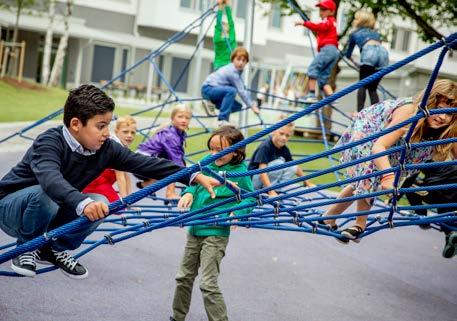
<point x="233" y="136"/>
<point x="85" y="102"/>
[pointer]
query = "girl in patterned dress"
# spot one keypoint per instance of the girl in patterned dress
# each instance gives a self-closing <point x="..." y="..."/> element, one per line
<point x="378" y="117"/>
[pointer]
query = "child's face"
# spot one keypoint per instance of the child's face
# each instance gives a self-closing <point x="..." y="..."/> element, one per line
<point x="217" y="144"/>
<point x="324" y="13"/>
<point x="281" y="136"/>
<point x="181" y="120"/>
<point x="95" y="133"/>
<point x="239" y="62"/>
<point x="126" y="134"/>
<point x="440" y="120"/>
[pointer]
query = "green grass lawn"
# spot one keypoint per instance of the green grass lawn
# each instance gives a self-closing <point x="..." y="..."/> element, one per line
<point x="21" y="104"/>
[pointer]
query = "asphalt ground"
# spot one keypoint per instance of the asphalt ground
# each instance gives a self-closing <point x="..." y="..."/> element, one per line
<point x="395" y="274"/>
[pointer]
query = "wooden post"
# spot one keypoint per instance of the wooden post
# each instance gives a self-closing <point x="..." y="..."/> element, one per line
<point x="2" y="44"/>
<point x="21" y="61"/>
<point x="5" y="60"/>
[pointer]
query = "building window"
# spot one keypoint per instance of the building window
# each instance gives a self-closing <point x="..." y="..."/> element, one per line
<point x="275" y="16"/>
<point x="177" y="67"/>
<point x="241" y="9"/>
<point x="102" y="63"/>
<point x="200" y="5"/>
<point x="406" y="40"/>
<point x="186" y="4"/>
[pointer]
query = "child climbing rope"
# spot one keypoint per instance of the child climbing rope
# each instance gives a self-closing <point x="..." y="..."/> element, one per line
<point x="221" y="87"/>
<point x="373" y="56"/>
<point x="206" y="244"/>
<point x="224" y="39"/>
<point x="378" y="117"/>
<point x="43" y="191"/>
<point x="168" y="142"/>
<point x="274" y="151"/>
<point x="124" y="134"/>
<point x="327" y="45"/>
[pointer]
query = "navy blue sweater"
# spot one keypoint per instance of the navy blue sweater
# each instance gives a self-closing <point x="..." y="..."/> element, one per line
<point x="63" y="173"/>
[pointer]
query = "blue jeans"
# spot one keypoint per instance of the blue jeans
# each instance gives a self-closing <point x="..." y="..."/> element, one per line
<point x="375" y="56"/>
<point x="29" y="213"/>
<point x="278" y="176"/>
<point x="322" y="65"/>
<point x="224" y="99"/>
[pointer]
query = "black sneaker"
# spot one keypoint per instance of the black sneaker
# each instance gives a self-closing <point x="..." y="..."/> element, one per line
<point x="352" y="233"/>
<point x="24" y="264"/>
<point x="65" y="262"/>
<point x="450" y="247"/>
<point x="171" y="319"/>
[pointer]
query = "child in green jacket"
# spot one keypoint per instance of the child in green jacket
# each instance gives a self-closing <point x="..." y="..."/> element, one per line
<point x="224" y="35"/>
<point x="206" y="244"/>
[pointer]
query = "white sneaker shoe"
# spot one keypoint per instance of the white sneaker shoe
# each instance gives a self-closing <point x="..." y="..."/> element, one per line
<point x="209" y="107"/>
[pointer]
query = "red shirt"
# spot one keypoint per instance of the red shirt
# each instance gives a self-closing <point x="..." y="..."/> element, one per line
<point x="326" y="32"/>
<point x="104" y="185"/>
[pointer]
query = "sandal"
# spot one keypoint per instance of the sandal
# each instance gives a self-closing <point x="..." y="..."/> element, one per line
<point x="352" y="233"/>
<point x="330" y="227"/>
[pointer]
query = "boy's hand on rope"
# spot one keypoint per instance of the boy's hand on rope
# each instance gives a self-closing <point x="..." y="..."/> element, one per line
<point x="208" y="183"/>
<point x="272" y="193"/>
<point x="96" y="211"/>
<point x="255" y="108"/>
<point x="185" y="201"/>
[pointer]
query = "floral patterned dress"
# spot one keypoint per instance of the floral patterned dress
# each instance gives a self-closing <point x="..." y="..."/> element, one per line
<point x="369" y="121"/>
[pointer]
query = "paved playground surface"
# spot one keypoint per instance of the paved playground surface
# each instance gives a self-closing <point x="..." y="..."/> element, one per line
<point x="396" y="274"/>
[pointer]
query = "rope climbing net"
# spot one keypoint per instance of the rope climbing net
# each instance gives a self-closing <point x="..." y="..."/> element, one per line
<point x="296" y="208"/>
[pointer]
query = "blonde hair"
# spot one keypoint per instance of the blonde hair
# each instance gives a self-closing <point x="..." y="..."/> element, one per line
<point x="180" y="108"/>
<point x="125" y="121"/>
<point x="443" y="91"/>
<point x="240" y="51"/>
<point x="364" y="18"/>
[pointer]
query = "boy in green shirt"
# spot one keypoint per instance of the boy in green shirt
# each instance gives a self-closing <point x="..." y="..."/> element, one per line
<point x="206" y="244"/>
<point x="224" y="35"/>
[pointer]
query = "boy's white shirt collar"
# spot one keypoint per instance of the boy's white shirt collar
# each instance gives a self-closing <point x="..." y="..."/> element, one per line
<point x="75" y="146"/>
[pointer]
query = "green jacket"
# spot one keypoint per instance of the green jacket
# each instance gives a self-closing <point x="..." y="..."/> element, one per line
<point x="222" y="50"/>
<point x="202" y="199"/>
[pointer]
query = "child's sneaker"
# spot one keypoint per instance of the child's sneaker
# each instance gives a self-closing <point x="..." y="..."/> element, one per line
<point x="309" y="98"/>
<point x="24" y="264"/>
<point x="65" y="262"/>
<point x="209" y="107"/>
<point x="450" y="247"/>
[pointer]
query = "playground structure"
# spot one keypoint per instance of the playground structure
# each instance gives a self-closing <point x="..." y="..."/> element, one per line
<point x="296" y="209"/>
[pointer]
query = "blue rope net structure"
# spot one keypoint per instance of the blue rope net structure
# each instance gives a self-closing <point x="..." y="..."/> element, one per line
<point x="296" y="208"/>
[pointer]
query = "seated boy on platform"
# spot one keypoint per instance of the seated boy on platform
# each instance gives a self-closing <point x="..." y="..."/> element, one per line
<point x="43" y="191"/>
<point x="274" y="151"/>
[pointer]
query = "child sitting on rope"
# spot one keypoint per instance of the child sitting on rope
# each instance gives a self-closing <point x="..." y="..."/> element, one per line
<point x="224" y="39"/>
<point x="221" y="87"/>
<point x="168" y="142"/>
<point x="124" y="134"/>
<point x="271" y="152"/>
<point x="206" y="244"/>
<point x="327" y="46"/>
<point x="436" y="176"/>
<point x="43" y="191"/>
<point x="378" y="117"/>
<point x="373" y="56"/>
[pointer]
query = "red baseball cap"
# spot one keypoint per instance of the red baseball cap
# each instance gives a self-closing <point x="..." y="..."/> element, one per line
<point x="327" y="4"/>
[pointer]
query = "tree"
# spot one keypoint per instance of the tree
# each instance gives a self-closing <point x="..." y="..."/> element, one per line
<point x="48" y="44"/>
<point x="61" y="50"/>
<point x="18" y="6"/>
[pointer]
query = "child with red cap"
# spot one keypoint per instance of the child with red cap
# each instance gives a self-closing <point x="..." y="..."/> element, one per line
<point x="327" y="47"/>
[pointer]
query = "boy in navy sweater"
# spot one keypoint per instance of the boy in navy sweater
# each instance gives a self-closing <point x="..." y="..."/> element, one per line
<point x="43" y="191"/>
